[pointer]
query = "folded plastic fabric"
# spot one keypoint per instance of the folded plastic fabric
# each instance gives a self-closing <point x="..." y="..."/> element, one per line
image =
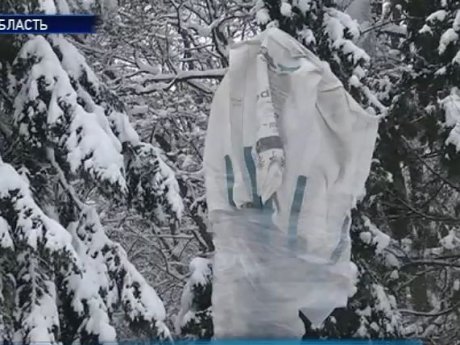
<point x="287" y="153"/>
<point x="261" y="283"/>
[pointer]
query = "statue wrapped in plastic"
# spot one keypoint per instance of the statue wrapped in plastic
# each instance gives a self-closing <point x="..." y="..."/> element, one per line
<point x="287" y="154"/>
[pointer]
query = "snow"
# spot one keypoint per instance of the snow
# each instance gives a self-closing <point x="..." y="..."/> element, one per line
<point x="362" y="331"/>
<point x="90" y="144"/>
<point x="456" y="286"/>
<point x="63" y="7"/>
<point x="373" y="100"/>
<point x="5" y="238"/>
<point x="31" y="226"/>
<point x="74" y="63"/>
<point x="29" y="214"/>
<point x="380" y="239"/>
<point x="101" y="260"/>
<point x="456" y="59"/>
<point x="136" y="293"/>
<point x="304" y="5"/>
<point x="307" y="35"/>
<point x="43" y="315"/>
<point x="139" y="110"/>
<point x="359" y="72"/>
<point x="366" y="237"/>
<point x="391" y="260"/>
<point x="10" y="180"/>
<point x="440" y="16"/>
<point x="456" y="23"/>
<point x="386" y="8"/>
<point x="394" y="275"/>
<point x="387" y="305"/>
<point x="286" y="9"/>
<point x="335" y="24"/>
<point x="126" y="131"/>
<point x="147" y="305"/>
<point x="200" y="269"/>
<point x="451" y="241"/>
<point x="262" y="16"/>
<point x="88" y="138"/>
<point x="348" y="22"/>
<point x="98" y="324"/>
<point x="360" y="10"/>
<point x="357" y="53"/>
<point x="354" y="81"/>
<point x="441" y="71"/>
<point x="451" y="106"/>
<point x="163" y="180"/>
<point x="108" y="6"/>
<point x="94" y="276"/>
<point x="190" y="315"/>
<point x="426" y="30"/>
<point x="447" y="38"/>
<point x="454" y="137"/>
<point x="395" y="29"/>
<point x="334" y="27"/>
<point x="365" y="312"/>
<point x="87" y="4"/>
<point x="202" y="30"/>
<point x="47" y="6"/>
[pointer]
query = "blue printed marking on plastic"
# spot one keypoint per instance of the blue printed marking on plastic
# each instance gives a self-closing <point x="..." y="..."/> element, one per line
<point x="252" y="175"/>
<point x="295" y="210"/>
<point x="230" y="179"/>
<point x="343" y="237"/>
<point x="267" y="209"/>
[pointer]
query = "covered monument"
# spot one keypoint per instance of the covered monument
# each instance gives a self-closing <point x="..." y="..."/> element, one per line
<point x="287" y="154"/>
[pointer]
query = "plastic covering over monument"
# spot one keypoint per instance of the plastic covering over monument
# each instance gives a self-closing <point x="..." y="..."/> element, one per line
<point x="287" y="154"/>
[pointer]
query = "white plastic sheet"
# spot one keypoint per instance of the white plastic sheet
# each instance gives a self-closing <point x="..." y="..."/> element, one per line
<point x="282" y="130"/>
<point x="260" y="283"/>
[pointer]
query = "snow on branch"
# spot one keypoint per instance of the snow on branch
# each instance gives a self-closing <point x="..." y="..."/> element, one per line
<point x="47" y="111"/>
<point x="37" y="241"/>
<point x="60" y="101"/>
<point x="97" y="277"/>
<point x="152" y="185"/>
<point x="157" y="82"/>
<point x="112" y="273"/>
<point x="194" y="318"/>
<point x="158" y="179"/>
<point x="185" y="75"/>
<point x="68" y="119"/>
<point x="329" y="33"/>
<point x="451" y="107"/>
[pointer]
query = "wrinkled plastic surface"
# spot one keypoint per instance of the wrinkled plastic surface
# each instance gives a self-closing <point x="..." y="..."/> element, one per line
<point x="262" y="281"/>
<point x="293" y="252"/>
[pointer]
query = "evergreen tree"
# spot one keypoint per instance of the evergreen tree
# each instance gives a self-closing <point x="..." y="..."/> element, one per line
<point x="419" y="147"/>
<point x="332" y="35"/>
<point x="65" y="136"/>
<point x="195" y="319"/>
<point x="329" y="33"/>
